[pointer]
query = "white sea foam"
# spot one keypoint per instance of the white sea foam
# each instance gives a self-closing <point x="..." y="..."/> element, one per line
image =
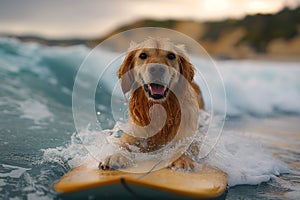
<point x="15" y="172"/>
<point x="240" y="155"/>
<point x="35" y="111"/>
<point x="244" y="159"/>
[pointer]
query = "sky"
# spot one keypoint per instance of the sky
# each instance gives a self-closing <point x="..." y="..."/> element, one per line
<point x="93" y="18"/>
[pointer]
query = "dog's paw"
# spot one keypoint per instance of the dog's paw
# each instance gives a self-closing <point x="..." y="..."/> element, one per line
<point x="184" y="162"/>
<point x="115" y="161"/>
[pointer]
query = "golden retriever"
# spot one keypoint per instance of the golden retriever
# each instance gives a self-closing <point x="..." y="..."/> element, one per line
<point x="151" y="72"/>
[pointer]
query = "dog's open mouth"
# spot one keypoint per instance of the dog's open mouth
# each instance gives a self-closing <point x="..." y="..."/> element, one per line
<point x="156" y="91"/>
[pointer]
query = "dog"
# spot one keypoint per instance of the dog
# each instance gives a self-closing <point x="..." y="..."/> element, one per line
<point x="158" y="72"/>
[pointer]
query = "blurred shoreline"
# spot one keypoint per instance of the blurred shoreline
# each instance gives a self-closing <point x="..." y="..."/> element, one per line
<point x="274" y="37"/>
<point x="91" y="44"/>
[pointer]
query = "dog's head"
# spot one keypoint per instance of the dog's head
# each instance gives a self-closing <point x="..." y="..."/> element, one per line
<point x="157" y="65"/>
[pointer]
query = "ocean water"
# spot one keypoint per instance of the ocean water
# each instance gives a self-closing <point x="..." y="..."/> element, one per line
<point x="259" y="147"/>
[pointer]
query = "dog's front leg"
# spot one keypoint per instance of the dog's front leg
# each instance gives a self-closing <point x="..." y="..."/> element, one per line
<point x="183" y="162"/>
<point x="116" y="161"/>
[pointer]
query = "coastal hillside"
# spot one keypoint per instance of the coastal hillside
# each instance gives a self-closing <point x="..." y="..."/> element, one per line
<point x="261" y="35"/>
<point x="274" y="36"/>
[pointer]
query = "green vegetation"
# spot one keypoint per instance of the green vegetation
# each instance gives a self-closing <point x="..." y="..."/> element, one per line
<point x="148" y="23"/>
<point x="260" y="28"/>
<point x="215" y="29"/>
<point x="166" y="23"/>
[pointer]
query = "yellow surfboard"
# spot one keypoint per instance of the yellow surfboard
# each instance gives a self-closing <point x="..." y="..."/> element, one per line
<point x="161" y="184"/>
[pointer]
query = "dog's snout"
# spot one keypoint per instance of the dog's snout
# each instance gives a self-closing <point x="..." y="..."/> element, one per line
<point x="157" y="70"/>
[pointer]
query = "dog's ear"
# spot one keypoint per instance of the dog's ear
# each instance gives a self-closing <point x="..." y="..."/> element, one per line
<point x="186" y="68"/>
<point x="125" y="72"/>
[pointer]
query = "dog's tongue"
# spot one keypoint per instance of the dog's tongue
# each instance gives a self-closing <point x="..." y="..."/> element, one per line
<point x="157" y="89"/>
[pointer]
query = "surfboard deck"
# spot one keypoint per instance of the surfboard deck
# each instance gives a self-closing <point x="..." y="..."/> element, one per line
<point x="164" y="183"/>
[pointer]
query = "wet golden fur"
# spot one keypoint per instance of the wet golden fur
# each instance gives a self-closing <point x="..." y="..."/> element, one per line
<point x="188" y="93"/>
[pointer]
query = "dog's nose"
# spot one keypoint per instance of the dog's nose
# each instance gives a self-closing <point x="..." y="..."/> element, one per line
<point x="157" y="70"/>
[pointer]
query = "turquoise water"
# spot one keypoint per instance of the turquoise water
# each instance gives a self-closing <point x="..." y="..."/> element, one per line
<point x="259" y="148"/>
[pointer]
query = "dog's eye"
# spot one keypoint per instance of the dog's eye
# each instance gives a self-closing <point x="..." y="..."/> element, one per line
<point x="143" y="56"/>
<point x="171" y="56"/>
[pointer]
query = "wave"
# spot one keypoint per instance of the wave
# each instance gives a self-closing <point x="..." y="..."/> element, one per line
<point x="261" y="88"/>
<point x="252" y="87"/>
<point x="37" y="83"/>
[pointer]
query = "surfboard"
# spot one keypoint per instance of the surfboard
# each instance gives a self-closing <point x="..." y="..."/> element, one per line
<point x="161" y="184"/>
